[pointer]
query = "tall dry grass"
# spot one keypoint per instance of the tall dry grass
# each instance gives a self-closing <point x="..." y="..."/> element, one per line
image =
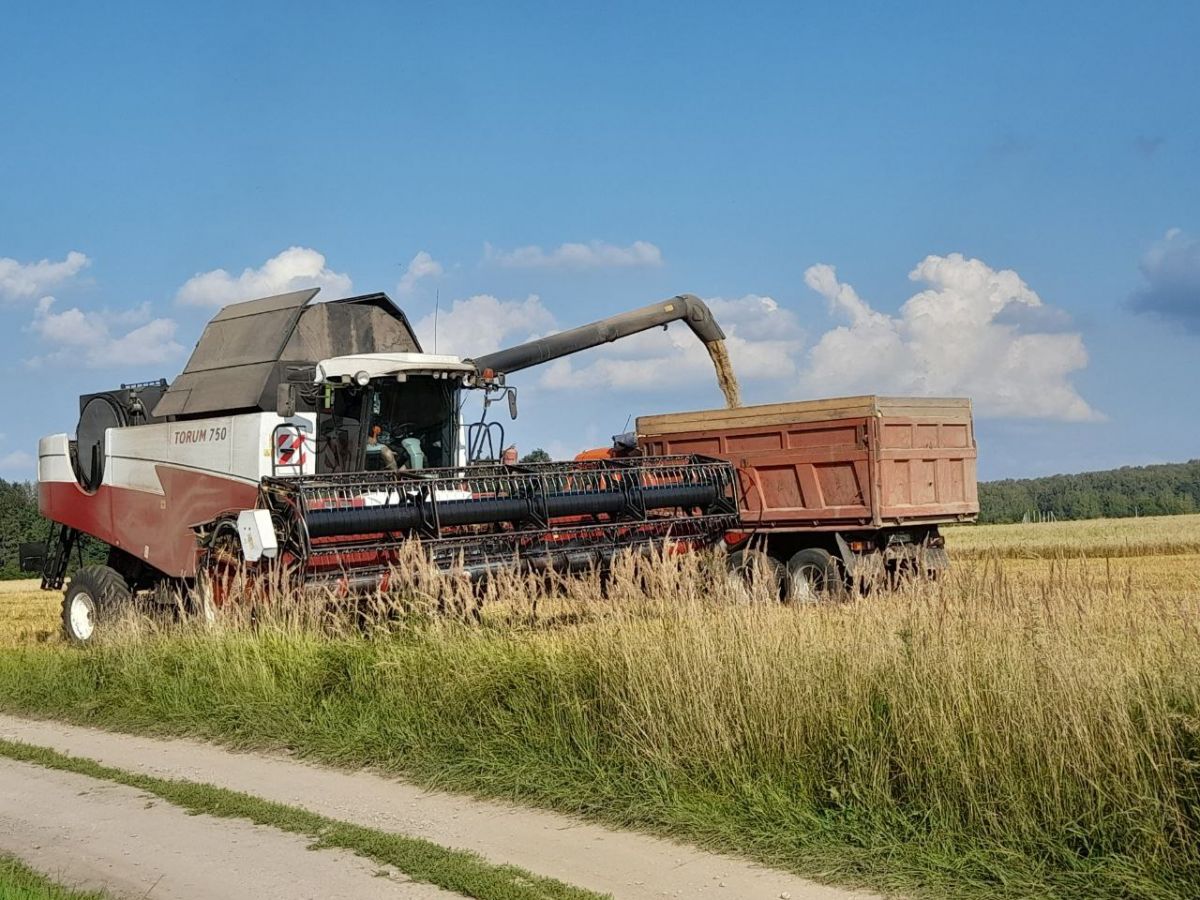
<point x="1007" y="730"/>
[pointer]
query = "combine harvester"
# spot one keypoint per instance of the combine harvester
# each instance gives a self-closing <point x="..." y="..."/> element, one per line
<point x="316" y="441"/>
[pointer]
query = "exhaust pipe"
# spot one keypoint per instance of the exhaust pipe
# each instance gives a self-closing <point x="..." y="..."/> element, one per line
<point x="687" y="308"/>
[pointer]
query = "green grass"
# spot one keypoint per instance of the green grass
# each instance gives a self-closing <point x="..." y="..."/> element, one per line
<point x="1002" y="733"/>
<point x="19" y="882"/>
<point x="454" y="870"/>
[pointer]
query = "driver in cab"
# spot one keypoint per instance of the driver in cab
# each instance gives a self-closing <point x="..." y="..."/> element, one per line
<point x="379" y="454"/>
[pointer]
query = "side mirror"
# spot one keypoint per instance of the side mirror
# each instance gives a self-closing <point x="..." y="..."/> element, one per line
<point x="285" y="400"/>
<point x="512" y="403"/>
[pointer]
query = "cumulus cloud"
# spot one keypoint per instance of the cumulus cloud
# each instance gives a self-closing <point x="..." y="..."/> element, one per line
<point x="763" y="338"/>
<point x="103" y="339"/>
<point x="483" y="323"/>
<point x="22" y="281"/>
<point x="294" y="269"/>
<point x="970" y="330"/>
<point x="592" y="255"/>
<point x="973" y="330"/>
<point x="422" y="266"/>
<point x="1172" y="272"/>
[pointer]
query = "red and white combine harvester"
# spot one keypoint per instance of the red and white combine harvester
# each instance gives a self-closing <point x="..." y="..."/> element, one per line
<point x="315" y="442"/>
<point x="317" y="439"/>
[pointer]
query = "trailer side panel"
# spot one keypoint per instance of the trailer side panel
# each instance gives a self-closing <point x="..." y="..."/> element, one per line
<point x="842" y="464"/>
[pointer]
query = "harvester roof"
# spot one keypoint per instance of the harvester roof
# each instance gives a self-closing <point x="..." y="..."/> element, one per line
<point x="378" y="364"/>
<point x="245" y="348"/>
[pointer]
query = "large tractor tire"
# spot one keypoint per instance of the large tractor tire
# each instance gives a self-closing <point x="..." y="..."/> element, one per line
<point x="813" y="574"/>
<point x="94" y="597"/>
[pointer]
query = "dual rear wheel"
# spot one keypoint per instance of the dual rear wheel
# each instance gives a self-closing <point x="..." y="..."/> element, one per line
<point x="810" y="574"/>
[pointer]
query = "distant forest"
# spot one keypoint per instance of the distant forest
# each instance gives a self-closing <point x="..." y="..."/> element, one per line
<point x="1163" y="490"/>
<point x="1130" y="491"/>
<point x="19" y="522"/>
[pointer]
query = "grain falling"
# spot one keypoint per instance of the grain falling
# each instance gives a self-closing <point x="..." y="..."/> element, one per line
<point x="725" y="376"/>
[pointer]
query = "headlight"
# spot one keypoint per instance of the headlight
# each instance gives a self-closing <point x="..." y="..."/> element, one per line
<point x="362" y="379"/>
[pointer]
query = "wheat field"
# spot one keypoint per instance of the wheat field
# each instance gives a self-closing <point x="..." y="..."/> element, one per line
<point x="1095" y="538"/>
<point x="28" y="615"/>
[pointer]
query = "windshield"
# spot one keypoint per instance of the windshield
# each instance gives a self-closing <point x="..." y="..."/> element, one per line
<point x="412" y="424"/>
<point x="388" y="425"/>
<point x="409" y="424"/>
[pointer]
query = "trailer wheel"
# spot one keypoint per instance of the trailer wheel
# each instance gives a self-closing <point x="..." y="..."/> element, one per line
<point x="93" y="596"/>
<point x="755" y="567"/>
<point x="813" y="573"/>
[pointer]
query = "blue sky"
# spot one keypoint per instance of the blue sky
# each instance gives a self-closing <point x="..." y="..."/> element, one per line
<point x="534" y="166"/>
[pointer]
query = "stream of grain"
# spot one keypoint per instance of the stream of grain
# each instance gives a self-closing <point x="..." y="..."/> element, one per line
<point x="725" y="377"/>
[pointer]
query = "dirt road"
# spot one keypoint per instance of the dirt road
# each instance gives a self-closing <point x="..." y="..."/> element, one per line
<point x="96" y="834"/>
<point x="625" y="864"/>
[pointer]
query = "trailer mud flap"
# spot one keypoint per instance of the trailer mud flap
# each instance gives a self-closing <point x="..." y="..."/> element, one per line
<point x="851" y="561"/>
<point x="935" y="558"/>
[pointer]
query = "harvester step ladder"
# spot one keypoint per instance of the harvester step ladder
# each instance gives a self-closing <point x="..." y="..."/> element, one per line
<point x="63" y="539"/>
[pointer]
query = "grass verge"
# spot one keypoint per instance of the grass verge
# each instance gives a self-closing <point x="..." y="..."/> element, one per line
<point x="421" y="860"/>
<point x="19" y="882"/>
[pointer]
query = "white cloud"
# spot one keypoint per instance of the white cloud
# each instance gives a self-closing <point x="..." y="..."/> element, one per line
<point x="20" y="281"/>
<point x="17" y="462"/>
<point x="483" y="323"/>
<point x="422" y="266"/>
<point x="973" y="331"/>
<point x="294" y="269"/>
<point x="88" y="338"/>
<point x="764" y="341"/>
<point x="592" y="255"/>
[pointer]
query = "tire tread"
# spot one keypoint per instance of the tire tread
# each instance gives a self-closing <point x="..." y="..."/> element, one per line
<point x="108" y="588"/>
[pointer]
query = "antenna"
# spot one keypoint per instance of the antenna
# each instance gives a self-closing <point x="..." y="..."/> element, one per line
<point x="437" y="302"/>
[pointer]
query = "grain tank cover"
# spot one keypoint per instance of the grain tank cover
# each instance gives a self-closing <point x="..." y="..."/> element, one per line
<point x="246" y="346"/>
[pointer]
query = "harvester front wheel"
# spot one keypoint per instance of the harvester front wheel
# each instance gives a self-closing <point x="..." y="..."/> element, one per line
<point x="94" y="596"/>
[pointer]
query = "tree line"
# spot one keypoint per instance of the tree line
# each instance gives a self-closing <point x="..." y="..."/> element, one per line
<point x="19" y="523"/>
<point x="1161" y="490"/>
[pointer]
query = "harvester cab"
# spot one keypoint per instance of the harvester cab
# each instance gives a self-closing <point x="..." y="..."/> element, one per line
<point x="382" y="410"/>
<point x="318" y="439"/>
